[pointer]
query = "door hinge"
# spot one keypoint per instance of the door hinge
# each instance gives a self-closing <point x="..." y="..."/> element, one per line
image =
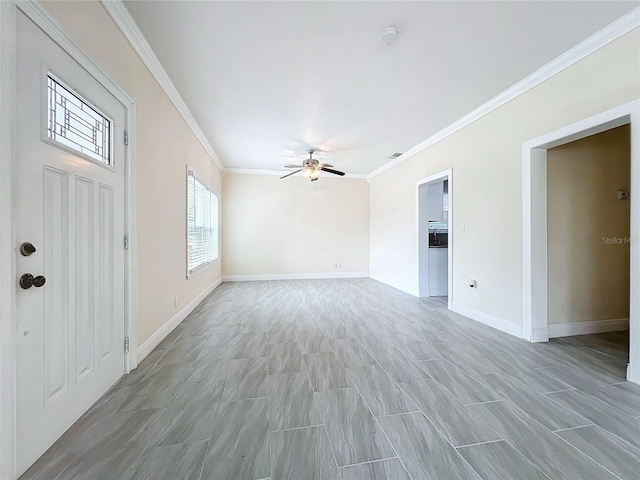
<point x="126" y="137"/>
<point x="126" y="241"/>
<point x="126" y="344"/>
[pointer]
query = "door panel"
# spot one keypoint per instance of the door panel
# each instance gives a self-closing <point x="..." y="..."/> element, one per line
<point x="70" y="331"/>
<point x="56" y="309"/>
<point x="105" y="255"/>
<point x="85" y="259"/>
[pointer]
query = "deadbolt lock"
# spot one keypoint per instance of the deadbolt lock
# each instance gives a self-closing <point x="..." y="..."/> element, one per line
<point x="27" y="249"/>
<point x="27" y="281"/>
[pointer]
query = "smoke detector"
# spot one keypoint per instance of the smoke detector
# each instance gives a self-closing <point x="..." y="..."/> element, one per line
<point x="388" y="36"/>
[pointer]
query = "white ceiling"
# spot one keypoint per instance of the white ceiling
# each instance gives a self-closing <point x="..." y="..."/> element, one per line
<point x="268" y="78"/>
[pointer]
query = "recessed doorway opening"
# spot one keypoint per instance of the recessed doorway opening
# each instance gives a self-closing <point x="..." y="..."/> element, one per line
<point x="588" y="247"/>
<point x="434" y="211"/>
<point x="543" y="317"/>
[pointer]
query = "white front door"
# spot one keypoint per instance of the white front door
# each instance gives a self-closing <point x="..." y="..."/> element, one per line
<point x="69" y="203"/>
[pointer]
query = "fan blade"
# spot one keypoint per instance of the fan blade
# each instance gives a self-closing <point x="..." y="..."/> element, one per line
<point x="293" y="166"/>
<point x="335" y="172"/>
<point x="326" y="165"/>
<point x="289" y="174"/>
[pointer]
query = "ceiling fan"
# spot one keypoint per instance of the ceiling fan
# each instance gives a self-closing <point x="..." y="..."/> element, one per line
<point x="311" y="168"/>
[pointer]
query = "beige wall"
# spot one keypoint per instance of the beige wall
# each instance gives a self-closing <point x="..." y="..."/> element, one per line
<point x="273" y="226"/>
<point x="165" y="145"/>
<point x="588" y="278"/>
<point x="486" y="158"/>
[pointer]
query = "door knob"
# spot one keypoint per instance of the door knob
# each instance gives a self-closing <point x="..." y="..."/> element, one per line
<point x="27" y="249"/>
<point x="27" y="281"/>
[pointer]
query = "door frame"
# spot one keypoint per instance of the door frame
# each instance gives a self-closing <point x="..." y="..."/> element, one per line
<point x="443" y="175"/>
<point x="534" y="223"/>
<point x="34" y="11"/>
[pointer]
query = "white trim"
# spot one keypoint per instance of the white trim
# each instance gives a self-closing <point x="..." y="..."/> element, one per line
<point x="448" y="175"/>
<point x="534" y="271"/>
<point x="490" y="320"/>
<point x="538" y="335"/>
<point x="7" y="244"/>
<point x="633" y="369"/>
<point x="42" y="18"/>
<point x="292" y="276"/>
<point x="48" y="24"/>
<point x="154" y="340"/>
<point x="586" y="328"/>
<point x="121" y="16"/>
<point x="131" y="254"/>
<point x="608" y="34"/>
<point x="535" y="326"/>
<point x="257" y="171"/>
<point x="410" y="291"/>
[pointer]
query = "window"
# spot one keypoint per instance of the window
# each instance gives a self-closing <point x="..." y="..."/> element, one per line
<point x="75" y="124"/>
<point x="202" y="225"/>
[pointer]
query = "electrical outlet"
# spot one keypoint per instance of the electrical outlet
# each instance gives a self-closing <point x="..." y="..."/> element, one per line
<point x="473" y="283"/>
<point x="175" y="301"/>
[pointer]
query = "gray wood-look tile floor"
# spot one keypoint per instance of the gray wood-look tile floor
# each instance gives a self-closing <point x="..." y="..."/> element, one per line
<point x="353" y="379"/>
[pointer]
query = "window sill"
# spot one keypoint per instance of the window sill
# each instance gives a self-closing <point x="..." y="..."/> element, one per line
<point x="202" y="268"/>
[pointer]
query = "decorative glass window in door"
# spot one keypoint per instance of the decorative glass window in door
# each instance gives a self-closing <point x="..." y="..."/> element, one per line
<point x="76" y="124"/>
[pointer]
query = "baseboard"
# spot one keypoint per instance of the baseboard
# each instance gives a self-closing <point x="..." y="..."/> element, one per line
<point x="154" y="340"/>
<point x="539" y="335"/>
<point x="586" y="328"/>
<point x="633" y="373"/>
<point x="410" y="291"/>
<point x="292" y="276"/>
<point x="490" y="320"/>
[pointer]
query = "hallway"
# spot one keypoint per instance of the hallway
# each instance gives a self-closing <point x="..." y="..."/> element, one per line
<point x="353" y="379"/>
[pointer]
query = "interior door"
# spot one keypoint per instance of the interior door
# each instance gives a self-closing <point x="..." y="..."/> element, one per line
<point x="69" y="191"/>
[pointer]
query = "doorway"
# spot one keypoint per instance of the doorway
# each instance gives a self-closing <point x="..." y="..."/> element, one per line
<point x="537" y="326"/>
<point x="588" y="244"/>
<point x="435" y="243"/>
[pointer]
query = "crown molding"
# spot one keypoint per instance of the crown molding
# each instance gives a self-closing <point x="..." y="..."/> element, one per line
<point x="119" y="13"/>
<point x="608" y="34"/>
<point x="257" y="171"/>
<point x="254" y="171"/>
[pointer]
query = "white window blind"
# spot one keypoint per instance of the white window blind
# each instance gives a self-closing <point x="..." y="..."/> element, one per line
<point x="202" y="224"/>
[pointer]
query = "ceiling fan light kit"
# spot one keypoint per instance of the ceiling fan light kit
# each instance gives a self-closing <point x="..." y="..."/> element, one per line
<point x="311" y="173"/>
<point x="311" y="168"/>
